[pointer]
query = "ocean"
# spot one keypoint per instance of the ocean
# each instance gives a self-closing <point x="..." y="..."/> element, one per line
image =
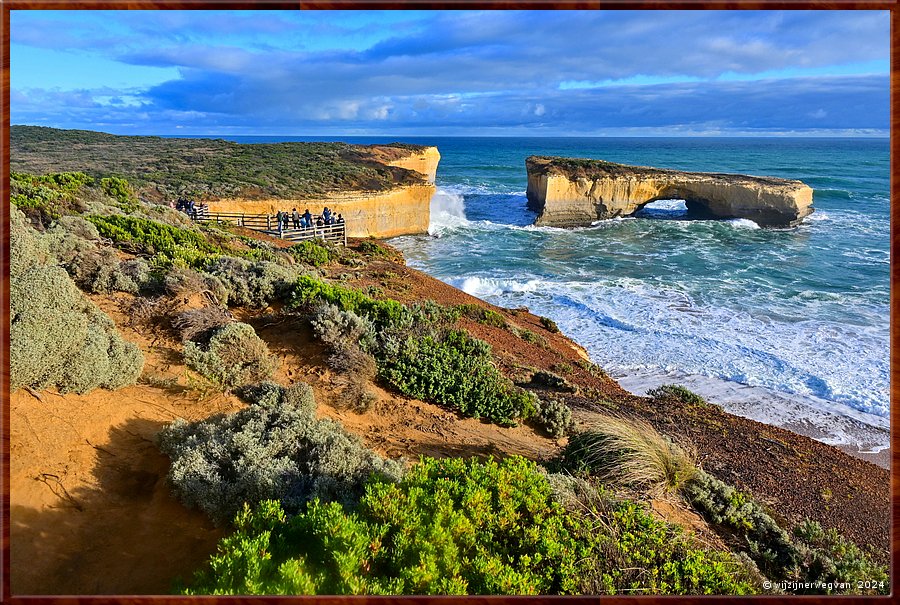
<point x="786" y="326"/>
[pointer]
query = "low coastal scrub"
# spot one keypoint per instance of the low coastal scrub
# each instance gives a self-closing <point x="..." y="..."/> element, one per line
<point x="809" y="554"/>
<point x="420" y="354"/>
<point x="59" y="338"/>
<point x="482" y="315"/>
<point x="46" y="198"/>
<point x="209" y="167"/>
<point x="235" y="356"/>
<point x="554" y="417"/>
<point x="311" y="253"/>
<point x="349" y="339"/>
<point x="454" y="369"/>
<point x="629" y="452"/>
<point x="275" y="448"/>
<point x="120" y="190"/>
<point x="676" y="391"/>
<point x="549" y="324"/>
<point x="252" y="283"/>
<point x="546" y="379"/>
<point x="453" y="526"/>
<point x="165" y="242"/>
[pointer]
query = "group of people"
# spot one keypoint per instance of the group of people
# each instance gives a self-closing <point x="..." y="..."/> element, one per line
<point x="190" y="208"/>
<point x="307" y="220"/>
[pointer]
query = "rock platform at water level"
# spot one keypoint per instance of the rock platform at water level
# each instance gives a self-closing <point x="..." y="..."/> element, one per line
<point x="568" y="192"/>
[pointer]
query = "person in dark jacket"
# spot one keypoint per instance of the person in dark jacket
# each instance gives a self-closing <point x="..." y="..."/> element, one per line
<point x="296" y="216"/>
<point x="279" y="218"/>
<point x="308" y="217"/>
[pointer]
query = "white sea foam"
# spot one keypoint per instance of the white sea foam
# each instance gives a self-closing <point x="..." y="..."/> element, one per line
<point x="742" y="223"/>
<point x="448" y="211"/>
<point x="483" y="287"/>
<point x="629" y="325"/>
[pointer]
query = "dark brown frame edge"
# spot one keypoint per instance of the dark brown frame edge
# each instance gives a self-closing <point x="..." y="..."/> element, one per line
<point x="7" y="5"/>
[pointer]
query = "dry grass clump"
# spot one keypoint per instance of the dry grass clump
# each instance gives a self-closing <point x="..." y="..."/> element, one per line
<point x="631" y="452"/>
<point x="199" y="324"/>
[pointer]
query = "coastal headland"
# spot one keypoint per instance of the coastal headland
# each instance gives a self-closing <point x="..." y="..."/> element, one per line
<point x="382" y="190"/>
<point x="568" y="192"/>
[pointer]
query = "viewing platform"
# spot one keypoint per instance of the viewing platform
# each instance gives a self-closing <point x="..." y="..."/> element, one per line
<point x="268" y="224"/>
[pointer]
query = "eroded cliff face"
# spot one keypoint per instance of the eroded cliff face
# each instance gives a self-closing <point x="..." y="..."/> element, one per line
<point x="424" y="162"/>
<point x="401" y="211"/>
<point x="567" y="192"/>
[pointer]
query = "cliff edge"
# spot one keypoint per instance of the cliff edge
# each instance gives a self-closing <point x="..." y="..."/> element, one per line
<point x="568" y="192"/>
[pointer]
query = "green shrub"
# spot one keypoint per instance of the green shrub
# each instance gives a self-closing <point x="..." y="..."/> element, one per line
<point x="46" y="197"/>
<point x="419" y="355"/>
<point x="309" y="291"/>
<point x="631" y="452"/>
<point x="592" y="368"/>
<point x="453" y="526"/>
<point x="311" y="253"/>
<point x="165" y="242"/>
<point x="275" y="448"/>
<point x="483" y="315"/>
<point x="373" y="249"/>
<point x="535" y="339"/>
<point x="455" y="370"/>
<point x="678" y="392"/>
<point x="554" y="381"/>
<point x="555" y="417"/>
<point x="549" y="324"/>
<point x="119" y="189"/>
<point x="235" y="356"/>
<point x="449" y="527"/>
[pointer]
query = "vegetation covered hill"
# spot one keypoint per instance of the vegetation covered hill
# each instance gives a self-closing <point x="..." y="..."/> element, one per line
<point x="163" y="168"/>
<point x="374" y="431"/>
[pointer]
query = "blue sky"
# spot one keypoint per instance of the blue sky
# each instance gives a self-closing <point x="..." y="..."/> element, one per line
<point x="518" y="73"/>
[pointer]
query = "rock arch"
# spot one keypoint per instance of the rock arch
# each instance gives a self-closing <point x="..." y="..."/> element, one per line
<point x="567" y="192"/>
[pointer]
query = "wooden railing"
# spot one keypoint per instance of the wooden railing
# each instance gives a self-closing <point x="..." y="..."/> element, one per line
<point x="268" y="224"/>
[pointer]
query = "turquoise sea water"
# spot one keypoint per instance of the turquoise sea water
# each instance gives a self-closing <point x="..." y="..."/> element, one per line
<point x="801" y="312"/>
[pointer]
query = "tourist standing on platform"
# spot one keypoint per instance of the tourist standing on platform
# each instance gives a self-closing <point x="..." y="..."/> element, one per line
<point x="296" y="216"/>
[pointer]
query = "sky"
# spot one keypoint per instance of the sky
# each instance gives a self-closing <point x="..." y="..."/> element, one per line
<point x="453" y="73"/>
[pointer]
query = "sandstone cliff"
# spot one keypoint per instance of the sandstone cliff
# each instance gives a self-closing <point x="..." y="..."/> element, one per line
<point x="574" y="192"/>
<point x="424" y="161"/>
